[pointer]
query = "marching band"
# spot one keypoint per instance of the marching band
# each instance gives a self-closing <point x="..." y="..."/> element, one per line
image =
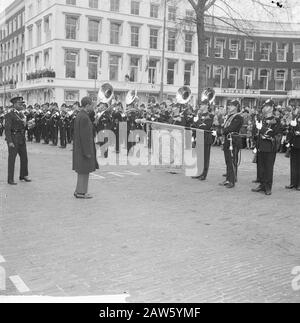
<point x="49" y="123"/>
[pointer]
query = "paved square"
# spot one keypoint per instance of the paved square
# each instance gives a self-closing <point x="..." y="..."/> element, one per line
<point x="157" y="236"/>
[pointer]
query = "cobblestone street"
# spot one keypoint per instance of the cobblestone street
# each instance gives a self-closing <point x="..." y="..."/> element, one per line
<point x="157" y="236"/>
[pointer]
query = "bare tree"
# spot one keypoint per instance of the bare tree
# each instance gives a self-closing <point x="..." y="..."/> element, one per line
<point x="228" y="15"/>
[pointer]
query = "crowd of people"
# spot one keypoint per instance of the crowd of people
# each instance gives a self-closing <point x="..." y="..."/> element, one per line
<point x="267" y="129"/>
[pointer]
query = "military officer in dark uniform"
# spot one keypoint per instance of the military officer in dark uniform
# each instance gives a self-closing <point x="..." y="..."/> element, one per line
<point x="15" y="124"/>
<point x="232" y="142"/>
<point x="293" y="139"/>
<point x="204" y="121"/>
<point x="266" y="147"/>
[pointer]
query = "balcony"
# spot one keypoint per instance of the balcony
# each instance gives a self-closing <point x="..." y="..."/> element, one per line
<point x="45" y="73"/>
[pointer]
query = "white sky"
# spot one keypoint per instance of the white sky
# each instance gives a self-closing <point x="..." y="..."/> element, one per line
<point x="291" y="12"/>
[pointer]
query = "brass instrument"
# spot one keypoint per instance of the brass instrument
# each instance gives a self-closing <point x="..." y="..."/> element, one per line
<point x="131" y="97"/>
<point x="209" y="95"/>
<point x="105" y="93"/>
<point x="183" y="95"/>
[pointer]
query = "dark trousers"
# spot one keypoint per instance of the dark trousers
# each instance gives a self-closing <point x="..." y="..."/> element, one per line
<point x="54" y="135"/>
<point x="63" y="136"/>
<point x="38" y="133"/>
<point x="207" y="149"/>
<point x="12" y="154"/>
<point x="259" y="175"/>
<point x="231" y="160"/>
<point x="295" y="167"/>
<point x="265" y="163"/>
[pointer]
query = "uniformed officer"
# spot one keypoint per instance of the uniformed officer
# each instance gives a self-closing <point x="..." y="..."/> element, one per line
<point x="204" y="121"/>
<point x="293" y="139"/>
<point x="266" y="147"/>
<point x="232" y="142"/>
<point x="15" y="123"/>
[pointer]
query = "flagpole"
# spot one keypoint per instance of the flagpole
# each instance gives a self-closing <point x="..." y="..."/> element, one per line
<point x="161" y="93"/>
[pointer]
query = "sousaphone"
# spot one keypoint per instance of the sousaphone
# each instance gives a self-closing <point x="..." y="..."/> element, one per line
<point x="105" y="93"/>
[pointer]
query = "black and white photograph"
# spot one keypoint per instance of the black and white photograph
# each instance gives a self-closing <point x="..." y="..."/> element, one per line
<point x="149" y="153"/>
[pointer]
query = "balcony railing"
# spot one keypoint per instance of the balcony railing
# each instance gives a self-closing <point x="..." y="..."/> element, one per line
<point x="49" y="73"/>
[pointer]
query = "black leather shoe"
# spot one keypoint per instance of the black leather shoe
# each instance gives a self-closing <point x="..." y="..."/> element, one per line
<point x="256" y="181"/>
<point x="196" y="177"/>
<point x="25" y="179"/>
<point x="224" y="175"/>
<point x="290" y="187"/>
<point x="229" y="185"/>
<point x="83" y="196"/>
<point x="224" y="183"/>
<point x="298" y="188"/>
<point x="202" y="178"/>
<point x="268" y="192"/>
<point x="11" y="183"/>
<point x="258" y="189"/>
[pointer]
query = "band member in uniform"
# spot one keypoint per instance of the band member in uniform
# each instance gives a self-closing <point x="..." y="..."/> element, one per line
<point x="232" y="142"/>
<point x="266" y="147"/>
<point x="15" y="124"/>
<point x="293" y="139"/>
<point x="204" y="121"/>
<point x="62" y="125"/>
<point x="84" y="156"/>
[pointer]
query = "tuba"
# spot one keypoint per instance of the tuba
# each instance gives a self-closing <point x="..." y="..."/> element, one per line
<point x="131" y="97"/>
<point x="209" y="95"/>
<point x="105" y="93"/>
<point x="183" y="95"/>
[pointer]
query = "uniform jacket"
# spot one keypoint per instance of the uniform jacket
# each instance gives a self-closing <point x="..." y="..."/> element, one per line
<point x="205" y="122"/>
<point x="233" y="126"/>
<point x="266" y="141"/>
<point x="83" y="145"/>
<point x="15" y="128"/>
<point x="293" y="136"/>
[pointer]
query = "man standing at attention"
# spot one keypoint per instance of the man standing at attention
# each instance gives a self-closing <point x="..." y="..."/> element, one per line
<point x="84" y="152"/>
<point x="15" y="124"/>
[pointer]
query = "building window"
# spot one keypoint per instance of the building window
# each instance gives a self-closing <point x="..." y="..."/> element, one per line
<point x="248" y="78"/>
<point x="93" y="63"/>
<point x="115" y="5"/>
<point x="154" y="10"/>
<point x="152" y="71"/>
<point x="207" y="74"/>
<point x="264" y="79"/>
<point x="171" y="13"/>
<point x="47" y="28"/>
<point x="93" y="4"/>
<point x="135" y="35"/>
<point x="232" y="77"/>
<point x="171" y="72"/>
<point x="70" y="61"/>
<point x="71" y="96"/>
<point x="189" y="15"/>
<point x="282" y="49"/>
<point x="37" y="62"/>
<point x="46" y="58"/>
<point x="153" y="38"/>
<point x="188" y="42"/>
<point x="30" y="38"/>
<point x="114" y="33"/>
<point x="94" y="30"/>
<point x="71" y="27"/>
<point x="234" y="49"/>
<point x="280" y="77"/>
<point x="133" y="68"/>
<point x="17" y="46"/>
<point x="114" y="67"/>
<point x="249" y="50"/>
<point x="28" y="64"/>
<point x="218" y="72"/>
<point x="171" y="40"/>
<point x="207" y="46"/>
<point x="265" y="50"/>
<point x="135" y="8"/>
<point x="39" y="34"/>
<point x="187" y="73"/>
<point x="296" y="79"/>
<point x="219" y="47"/>
<point x="297" y="52"/>
<point x="71" y="2"/>
<point x="30" y="11"/>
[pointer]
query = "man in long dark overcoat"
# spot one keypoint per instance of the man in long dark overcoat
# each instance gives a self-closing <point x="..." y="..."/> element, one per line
<point x="84" y="152"/>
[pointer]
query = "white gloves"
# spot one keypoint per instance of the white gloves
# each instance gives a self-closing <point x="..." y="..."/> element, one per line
<point x="214" y="133"/>
<point x="196" y="119"/>
<point x="294" y="123"/>
<point x="254" y="151"/>
<point x="258" y="125"/>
